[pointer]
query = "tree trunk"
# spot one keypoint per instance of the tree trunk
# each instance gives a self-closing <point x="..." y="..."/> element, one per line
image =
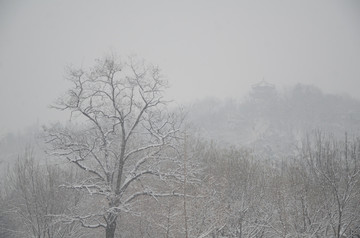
<point x="110" y="230"/>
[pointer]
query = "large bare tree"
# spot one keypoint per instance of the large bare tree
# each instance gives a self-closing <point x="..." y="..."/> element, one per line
<point x="124" y="138"/>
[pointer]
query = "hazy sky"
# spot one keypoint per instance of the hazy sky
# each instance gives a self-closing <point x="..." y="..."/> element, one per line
<point x="205" y="48"/>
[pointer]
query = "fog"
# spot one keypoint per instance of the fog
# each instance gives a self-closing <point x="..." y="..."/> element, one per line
<point x="204" y="48"/>
<point x="179" y="119"/>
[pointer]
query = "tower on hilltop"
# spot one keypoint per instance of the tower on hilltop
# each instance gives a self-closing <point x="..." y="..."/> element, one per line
<point x="263" y="91"/>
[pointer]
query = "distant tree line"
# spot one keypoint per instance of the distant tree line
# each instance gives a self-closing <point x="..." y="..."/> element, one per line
<point x="274" y="123"/>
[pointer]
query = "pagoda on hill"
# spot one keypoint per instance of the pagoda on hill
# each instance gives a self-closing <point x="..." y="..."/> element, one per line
<point x="263" y="91"/>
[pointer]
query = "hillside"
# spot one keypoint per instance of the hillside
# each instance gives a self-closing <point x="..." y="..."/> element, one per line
<point x="273" y="122"/>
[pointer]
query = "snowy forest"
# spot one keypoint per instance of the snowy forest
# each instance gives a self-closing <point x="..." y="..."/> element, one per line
<point x="130" y="163"/>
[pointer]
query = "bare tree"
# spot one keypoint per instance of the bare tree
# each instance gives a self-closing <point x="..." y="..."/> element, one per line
<point x="124" y="139"/>
<point x="333" y="166"/>
<point x="34" y="199"/>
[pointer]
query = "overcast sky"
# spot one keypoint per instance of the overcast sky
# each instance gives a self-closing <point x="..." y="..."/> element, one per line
<point x="205" y="48"/>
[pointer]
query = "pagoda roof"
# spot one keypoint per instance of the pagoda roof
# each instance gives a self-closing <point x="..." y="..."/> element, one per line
<point x="263" y="84"/>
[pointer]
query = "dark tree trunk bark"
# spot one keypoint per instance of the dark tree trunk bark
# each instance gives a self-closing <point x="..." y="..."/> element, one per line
<point x="110" y="230"/>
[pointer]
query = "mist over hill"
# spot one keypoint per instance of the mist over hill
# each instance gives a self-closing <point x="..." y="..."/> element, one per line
<point x="269" y="121"/>
<point x="273" y="123"/>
